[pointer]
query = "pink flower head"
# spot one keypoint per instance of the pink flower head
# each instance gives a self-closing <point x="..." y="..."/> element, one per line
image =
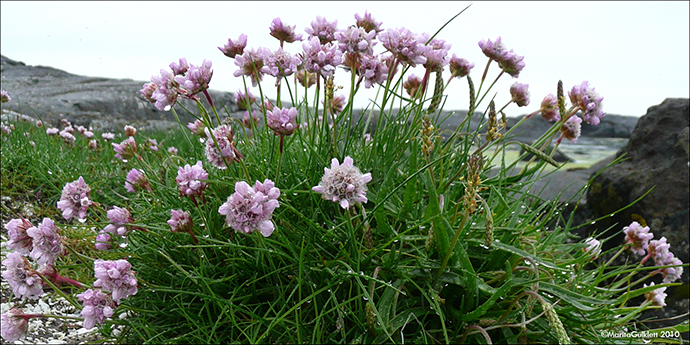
<point x="284" y="33"/>
<point x="126" y="149"/>
<point x="412" y="85"/>
<point x="593" y="247"/>
<point x="549" y="108"/>
<point x="250" y="64"/>
<point x="494" y="50"/>
<point x="130" y="131"/>
<point x="512" y="64"/>
<point x="24" y="281"/>
<point x="136" y="178"/>
<point x="250" y="209"/>
<point x="321" y="58"/>
<point x="571" y="128"/>
<point x="172" y="150"/>
<point x="234" y="48"/>
<point x="659" y="251"/>
<point x="52" y="131"/>
<point x="344" y="184"/>
<point x="355" y="40"/>
<point x="67" y="136"/>
<point x="588" y="101"/>
<point x="151" y="144"/>
<point x="519" y="94"/>
<point x="190" y="179"/>
<point x="672" y="274"/>
<point x="14" y="325"/>
<point x="198" y="128"/>
<point x="280" y="64"/>
<point x="282" y="121"/>
<point x="248" y="119"/>
<point x="368" y="23"/>
<point x="97" y="306"/>
<point x="118" y="218"/>
<point x="373" y="70"/>
<point x="19" y="241"/>
<point x="224" y="153"/>
<point x="75" y="199"/>
<point x="305" y="78"/>
<point x="47" y="243"/>
<point x="405" y="45"/>
<point x="243" y="101"/>
<point x="108" y="136"/>
<point x="4" y="96"/>
<point x="657" y="296"/>
<point x="197" y="78"/>
<point x="459" y="67"/>
<point x="181" y="221"/>
<point x="638" y="236"/>
<point x="166" y="92"/>
<point x="116" y="276"/>
<point x="104" y="241"/>
<point x="180" y="68"/>
<point x="323" y="30"/>
<point x="337" y="104"/>
<point x="436" y="53"/>
<point x="147" y="91"/>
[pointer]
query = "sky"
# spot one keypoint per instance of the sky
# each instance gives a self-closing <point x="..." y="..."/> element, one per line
<point x="635" y="54"/>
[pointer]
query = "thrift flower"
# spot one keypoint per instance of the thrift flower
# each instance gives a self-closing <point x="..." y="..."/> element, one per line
<point x="136" y="178"/>
<point x="459" y="67"/>
<point x="130" y="131"/>
<point x="52" y="131"/>
<point x="234" y="48"/>
<point x="305" y="78"/>
<point x="116" y="276"/>
<point x="67" y="136"/>
<point x="284" y="33"/>
<point x="355" y="40"/>
<point x="250" y="209"/>
<point x="47" y="243"/>
<point x="224" y="153"/>
<point x="405" y="45"/>
<point x="282" y="121"/>
<point x="151" y="144"/>
<point x="19" y="241"/>
<point x="4" y="96"/>
<point x="97" y="306"/>
<point x="126" y="149"/>
<point x="593" y="247"/>
<point x="108" y="136"/>
<point x="588" y="101"/>
<point x="280" y="64"/>
<point x="373" y="70"/>
<point x="250" y="64"/>
<point x="337" y="104"/>
<point x="659" y="251"/>
<point x="344" y="184"/>
<point x="24" y="281"/>
<point x="436" y="53"/>
<point x="197" y="78"/>
<point x="520" y="94"/>
<point x="198" y="128"/>
<point x="494" y="50"/>
<point x="247" y="119"/>
<point x="103" y="241"/>
<point x="321" y="58"/>
<point x="657" y="296"/>
<point x="181" y="221"/>
<point x="167" y="90"/>
<point x="412" y="85"/>
<point x="368" y="23"/>
<point x="549" y="108"/>
<point x="180" y="68"/>
<point x="172" y="150"/>
<point x="190" y="179"/>
<point x="638" y="236"/>
<point x="14" y="325"/>
<point x="243" y="101"/>
<point x="512" y="64"/>
<point x="322" y="29"/>
<point x="75" y="199"/>
<point x="118" y="217"/>
<point x="571" y="129"/>
<point x="672" y="274"/>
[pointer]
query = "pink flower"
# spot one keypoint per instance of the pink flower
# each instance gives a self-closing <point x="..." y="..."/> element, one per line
<point x="4" y="96"/>
<point x="638" y="236"/>
<point x="24" y="281"/>
<point x="512" y="64"/>
<point x="373" y="70"/>
<point x="151" y="144"/>
<point x="282" y="121"/>
<point x="97" y="306"/>
<point x="180" y="68"/>
<point x="234" y="48"/>
<point x="250" y="209"/>
<point x="224" y="153"/>
<point x="520" y="94"/>
<point x="136" y="178"/>
<point x="355" y="40"/>
<point x="108" y="136"/>
<point x="672" y="274"/>
<point x="322" y="29"/>
<point x="93" y="144"/>
<point x="166" y="90"/>
<point x="284" y="33"/>
<point x="657" y="296"/>
<point x="337" y="104"/>
<point x="494" y="50"/>
<point x="47" y="243"/>
<point x="126" y="149"/>
<point x="75" y="199"/>
<point x="659" y="251"/>
<point x="321" y="58"/>
<point x="116" y="276"/>
<point x="549" y="108"/>
<point x="67" y="136"/>
<point x="118" y="218"/>
<point x="588" y="101"/>
<point x="130" y="131"/>
<point x="405" y="45"/>
<point x="19" y="241"/>
<point x="198" y="128"/>
<point x="172" y="150"/>
<point x="459" y="67"/>
<point x="197" y="78"/>
<point x="250" y="64"/>
<point x="436" y="53"/>
<point x="344" y="184"/>
<point x="103" y="241"/>
<point x="280" y="64"/>
<point x="181" y="221"/>
<point x="243" y="101"/>
<point x="593" y="247"/>
<point x="571" y="129"/>
<point x="412" y="85"/>
<point x="190" y="179"/>
<point x="14" y="325"/>
<point x="368" y="23"/>
<point x="248" y="119"/>
<point x="52" y="131"/>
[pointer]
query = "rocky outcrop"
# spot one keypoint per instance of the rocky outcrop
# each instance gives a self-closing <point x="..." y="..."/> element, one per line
<point x="657" y="160"/>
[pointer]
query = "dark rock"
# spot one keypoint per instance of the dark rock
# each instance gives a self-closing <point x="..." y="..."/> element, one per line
<point x="106" y="104"/>
<point x="657" y="162"/>
<point x="611" y="126"/>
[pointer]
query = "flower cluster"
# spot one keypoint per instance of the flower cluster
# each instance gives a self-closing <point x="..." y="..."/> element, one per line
<point x="344" y="184"/>
<point x="97" y="306"/>
<point x="116" y="277"/>
<point x="283" y="121"/>
<point x="136" y="179"/>
<point x="220" y="149"/>
<point x="183" y="79"/>
<point x="75" y="201"/>
<point x="250" y="209"/>
<point x="190" y="179"/>
<point x="509" y="62"/>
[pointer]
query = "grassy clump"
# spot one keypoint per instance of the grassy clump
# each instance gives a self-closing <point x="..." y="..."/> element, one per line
<point x="440" y="253"/>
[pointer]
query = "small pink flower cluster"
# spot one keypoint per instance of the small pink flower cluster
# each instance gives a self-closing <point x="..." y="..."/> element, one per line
<point x="75" y="201"/>
<point x="250" y="209"/>
<point x="510" y="62"/>
<point x="344" y="184"/>
<point x="184" y="79"/>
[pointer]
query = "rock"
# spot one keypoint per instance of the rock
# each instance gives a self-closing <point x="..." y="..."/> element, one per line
<point x="50" y="94"/>
<point x="611" y="126"/>
<point x="657" y="162"/>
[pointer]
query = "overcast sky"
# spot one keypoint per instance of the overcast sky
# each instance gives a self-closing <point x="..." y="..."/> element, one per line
<point x="635" y="54"/>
